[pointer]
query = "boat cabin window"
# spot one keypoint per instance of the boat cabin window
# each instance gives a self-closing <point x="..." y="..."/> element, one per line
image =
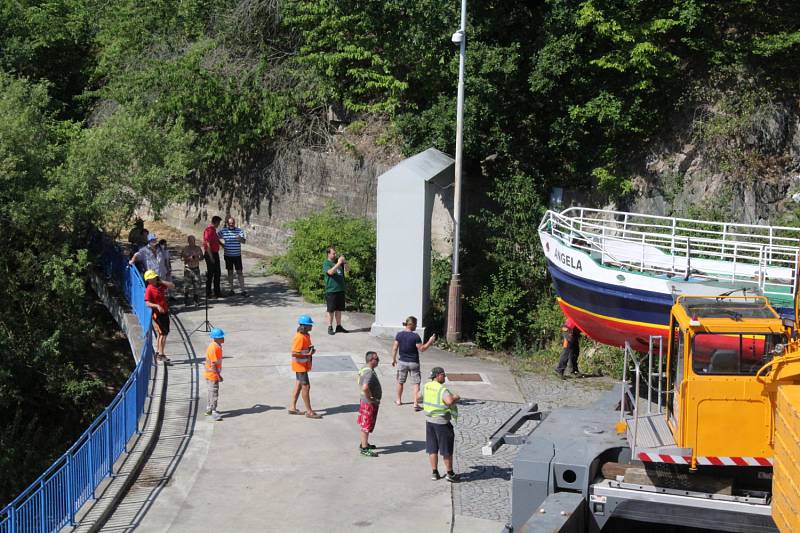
<point x="739" y="354"/>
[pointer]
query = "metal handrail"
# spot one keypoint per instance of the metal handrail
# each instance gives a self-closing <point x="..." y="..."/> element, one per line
<point x="633" y="397"/>
<point x="51" y="501"/>
<point x="761" y="259"/>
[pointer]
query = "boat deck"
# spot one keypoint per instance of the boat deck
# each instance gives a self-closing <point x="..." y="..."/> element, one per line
<point x="755" y="259"/>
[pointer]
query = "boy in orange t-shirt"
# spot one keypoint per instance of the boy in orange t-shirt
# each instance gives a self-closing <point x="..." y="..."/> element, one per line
<point x="302" y="352"/>
<point x="213" y="371"/>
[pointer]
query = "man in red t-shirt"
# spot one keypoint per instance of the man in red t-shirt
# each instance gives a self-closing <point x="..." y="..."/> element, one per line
<point x="155" y="297"/>
<point x="570" y="344"/>
<point x="211" y="255"/>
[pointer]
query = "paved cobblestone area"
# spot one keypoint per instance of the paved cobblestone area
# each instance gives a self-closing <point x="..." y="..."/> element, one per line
<point x="550" y="392"/>
<point x="485" y="490"/>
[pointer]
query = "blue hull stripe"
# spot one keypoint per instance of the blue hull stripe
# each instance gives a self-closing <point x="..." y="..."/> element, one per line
<point x="611" y="300"/>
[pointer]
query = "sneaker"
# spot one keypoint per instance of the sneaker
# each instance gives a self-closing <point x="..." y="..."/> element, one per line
<point x="435" y="475"/>
<point x="452" y="477"/>
<point x="370" y="446"/>
<point x="330" y="330"/>
<point x="230" y="293"/>
<point x="340" y="329"/>
<point x="208" y="412"/>
<point x="367" y="452"/>
<point x="559" y="374"/>
<point x="216" y="415"/>
<point x="244" y="293"/>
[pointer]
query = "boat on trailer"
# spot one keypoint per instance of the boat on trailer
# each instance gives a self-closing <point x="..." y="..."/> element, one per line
<point x="617" y="274"/>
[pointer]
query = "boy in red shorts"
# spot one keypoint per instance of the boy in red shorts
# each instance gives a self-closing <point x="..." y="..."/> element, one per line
<point x="370" y="400"/>
<point x="155" y="297"/>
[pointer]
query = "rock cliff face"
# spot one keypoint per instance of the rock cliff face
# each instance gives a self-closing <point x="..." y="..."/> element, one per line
<point x="319" y="178"/>
<point x="345" y="175"/>
<point x="742" y="169"/>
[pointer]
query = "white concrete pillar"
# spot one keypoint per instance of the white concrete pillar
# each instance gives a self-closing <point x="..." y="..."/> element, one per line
<point x="406" y="195"/>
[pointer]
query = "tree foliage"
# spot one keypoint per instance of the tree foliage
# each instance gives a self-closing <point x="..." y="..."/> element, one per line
<point x="311" y="236"/>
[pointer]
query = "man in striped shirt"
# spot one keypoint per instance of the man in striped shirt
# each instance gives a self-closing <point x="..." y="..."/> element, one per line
<point x="232" y="240"/>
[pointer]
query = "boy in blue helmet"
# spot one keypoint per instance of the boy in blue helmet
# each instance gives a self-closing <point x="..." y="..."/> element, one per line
<point x="302" y="352"/>
<point x="213" y="371"/>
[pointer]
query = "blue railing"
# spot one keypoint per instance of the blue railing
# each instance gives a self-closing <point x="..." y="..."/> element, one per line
<point x="50" y="502"/>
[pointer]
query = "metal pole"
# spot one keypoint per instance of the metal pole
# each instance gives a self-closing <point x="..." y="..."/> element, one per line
<point x="636" y="363"/>
<point x="649" y="375"/>
<point x="660" y="375"/>
<point x="70" y="490"/>
<point x="454" y="292"/>
<point x="110" y="440"/>
<point x="42" y="509"/>
<point x="624" y="380"/>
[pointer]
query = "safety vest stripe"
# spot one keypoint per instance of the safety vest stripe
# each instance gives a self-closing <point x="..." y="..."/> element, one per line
<point x="301" y="359"/>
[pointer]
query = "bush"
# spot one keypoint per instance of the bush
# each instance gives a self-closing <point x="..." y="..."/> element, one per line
<point x="499" y="306"/>
<point x="353" y="237"/>
<point x="441" y="270"/>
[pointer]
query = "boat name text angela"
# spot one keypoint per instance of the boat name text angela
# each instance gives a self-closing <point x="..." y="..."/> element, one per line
<point x="567" y="260"/>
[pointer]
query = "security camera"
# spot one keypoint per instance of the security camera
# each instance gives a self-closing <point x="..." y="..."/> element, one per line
<point x="457" y="37"/>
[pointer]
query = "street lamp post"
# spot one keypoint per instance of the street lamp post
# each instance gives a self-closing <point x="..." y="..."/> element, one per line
<point x="454" y="292"/>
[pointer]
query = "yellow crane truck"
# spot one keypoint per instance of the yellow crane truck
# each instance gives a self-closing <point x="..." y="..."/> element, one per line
<point x="703" y="433"/>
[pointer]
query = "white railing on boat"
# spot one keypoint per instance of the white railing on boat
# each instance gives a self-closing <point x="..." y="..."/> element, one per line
<point x="754" y="257"/>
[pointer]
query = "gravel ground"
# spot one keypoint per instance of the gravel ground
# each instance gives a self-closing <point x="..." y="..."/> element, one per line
<point x="485" y="490"/>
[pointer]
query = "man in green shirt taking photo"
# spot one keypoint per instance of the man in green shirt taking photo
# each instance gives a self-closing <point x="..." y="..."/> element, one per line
<point x="334" y="268"/>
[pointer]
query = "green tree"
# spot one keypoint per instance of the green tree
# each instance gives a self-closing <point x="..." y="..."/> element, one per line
<point x="311" y="235"/>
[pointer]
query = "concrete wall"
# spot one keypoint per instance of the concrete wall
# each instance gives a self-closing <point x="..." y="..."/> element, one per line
<point x="317" y="179"/>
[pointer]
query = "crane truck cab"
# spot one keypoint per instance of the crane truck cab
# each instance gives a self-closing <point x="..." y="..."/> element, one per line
<point x="719" y="409"/>
<point x="707" y="437"/>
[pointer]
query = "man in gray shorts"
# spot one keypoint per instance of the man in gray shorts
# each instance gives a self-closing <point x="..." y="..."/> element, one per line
<point x="409" y="345"/>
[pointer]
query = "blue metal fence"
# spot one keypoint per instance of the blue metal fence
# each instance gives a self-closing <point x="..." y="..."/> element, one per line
<point x="50" y="502"/>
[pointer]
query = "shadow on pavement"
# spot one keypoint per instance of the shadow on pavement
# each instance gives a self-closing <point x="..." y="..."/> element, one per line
<point x="346" y="408"/>
<point x="269" y="294"/>
<point x="407" y="446"/>
<point x="257" y="408"/>
<point x="486" y="472"/>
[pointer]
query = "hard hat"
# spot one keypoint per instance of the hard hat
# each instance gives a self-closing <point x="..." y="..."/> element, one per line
<point x="305" y="320"/>
<point x="150" y="274"/>
<point x="217" y="333"/>
<point x="151" y="237"/>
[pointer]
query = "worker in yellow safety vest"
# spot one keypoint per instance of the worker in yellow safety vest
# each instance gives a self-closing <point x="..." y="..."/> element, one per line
<point x="440" y="409"/>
